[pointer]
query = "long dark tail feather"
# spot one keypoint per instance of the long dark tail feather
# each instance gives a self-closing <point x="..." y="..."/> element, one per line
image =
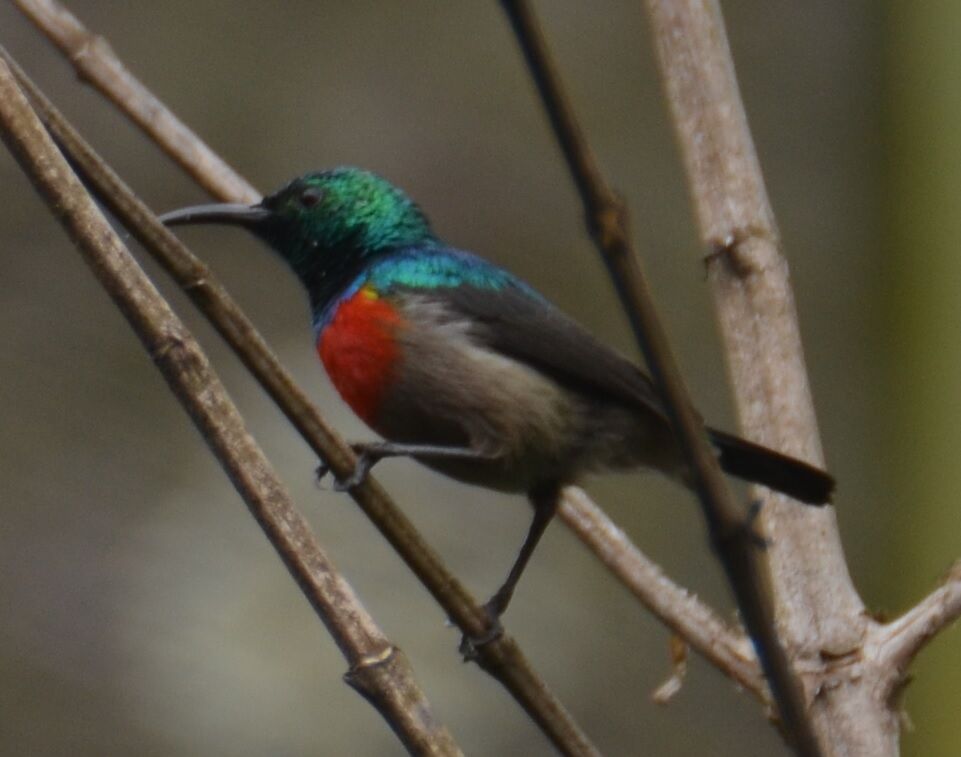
<point x="761" y="465"/>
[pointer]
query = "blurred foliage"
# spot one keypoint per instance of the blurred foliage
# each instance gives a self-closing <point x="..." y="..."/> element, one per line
<point x="923" y="270"/>
<point x="144" y="613"/>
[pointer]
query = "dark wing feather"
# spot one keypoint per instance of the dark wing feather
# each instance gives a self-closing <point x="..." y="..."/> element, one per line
<point x="517" y="322"/>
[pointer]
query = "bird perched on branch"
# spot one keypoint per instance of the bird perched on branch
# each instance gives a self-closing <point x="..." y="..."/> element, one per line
<point x="464" y="367"/>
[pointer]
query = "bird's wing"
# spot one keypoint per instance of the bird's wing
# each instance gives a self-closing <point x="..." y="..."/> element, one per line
<point x="510" y="317"/>
<point x="516" y="322"/>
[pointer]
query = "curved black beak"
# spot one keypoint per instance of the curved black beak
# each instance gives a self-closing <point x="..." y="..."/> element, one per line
<point x="248" y="216"/>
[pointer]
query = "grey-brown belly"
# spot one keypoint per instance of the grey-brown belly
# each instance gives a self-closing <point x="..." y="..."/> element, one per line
<point x="525" y="428"/>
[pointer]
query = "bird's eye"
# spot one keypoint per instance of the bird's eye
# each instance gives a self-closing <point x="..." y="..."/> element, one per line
<point x="310" y="197"/>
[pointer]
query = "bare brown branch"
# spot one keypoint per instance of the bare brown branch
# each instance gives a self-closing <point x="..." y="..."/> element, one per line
<point x="96" y="63"/>
<point x="378" y="670"/>
<point x="686" y="615"/>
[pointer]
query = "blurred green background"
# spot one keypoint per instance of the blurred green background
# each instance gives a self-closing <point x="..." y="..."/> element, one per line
<point x="141" y="611"/>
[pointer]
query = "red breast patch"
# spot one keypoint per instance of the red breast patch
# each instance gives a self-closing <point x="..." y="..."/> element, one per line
<point x="359" y="351"/>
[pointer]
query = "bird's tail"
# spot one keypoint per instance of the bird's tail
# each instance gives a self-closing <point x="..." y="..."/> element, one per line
<point x="760" y="465"/>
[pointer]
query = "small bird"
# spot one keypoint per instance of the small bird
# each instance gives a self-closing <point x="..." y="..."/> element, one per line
<point x="461" y="365"/>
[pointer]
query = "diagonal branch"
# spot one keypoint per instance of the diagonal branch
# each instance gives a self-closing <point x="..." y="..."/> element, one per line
<point x="378" y="670"/>
<point x="96" y="63"/>
<point x="501" y="657"/>
<point x="898" y="642"/>
<point x="733" y="542"/>
<point x="698" y="625"/>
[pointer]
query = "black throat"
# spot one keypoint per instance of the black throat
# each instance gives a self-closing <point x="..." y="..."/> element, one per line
<point x="327" y="275"/>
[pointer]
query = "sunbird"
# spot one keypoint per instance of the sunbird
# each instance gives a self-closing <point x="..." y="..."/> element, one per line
<point x="463" y="366"/>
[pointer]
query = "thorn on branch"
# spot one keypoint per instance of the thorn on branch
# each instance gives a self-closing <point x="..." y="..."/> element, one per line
<point x="82" y="50"/>
<point x="608" y="225"/>
<point x="899" y="641"/>
<point x="357" y="675"/>
<point x="664" y="693"/>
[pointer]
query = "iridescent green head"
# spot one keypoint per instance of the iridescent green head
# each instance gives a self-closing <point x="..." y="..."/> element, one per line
<point x="342" y="209"/>
<point x="324" y="222"/>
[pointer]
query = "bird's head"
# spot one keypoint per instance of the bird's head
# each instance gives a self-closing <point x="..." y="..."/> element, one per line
<point x="323" y="220"/>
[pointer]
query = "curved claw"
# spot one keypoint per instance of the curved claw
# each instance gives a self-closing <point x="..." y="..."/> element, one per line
<point x="470" y="645"/>
<point x="320" y="473"/>
<point x="366" y="458"/>
<point x="365" y="461"/>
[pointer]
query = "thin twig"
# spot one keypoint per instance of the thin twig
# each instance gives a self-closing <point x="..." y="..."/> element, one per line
<point x="378" y="670"/>
<point x="732" y="540"/>
<point x="96" y="63"/>
<point x="688" y="617"/>
<point x="501" y="657"/>
<point x="898" y="642"/>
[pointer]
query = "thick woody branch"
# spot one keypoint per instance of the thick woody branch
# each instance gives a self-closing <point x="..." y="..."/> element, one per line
<point x="733" y="541"/>
<point x="378" y="670"/>
<point x="737" y="226"/>
<point x="821" y="619"/>
<point x="501" y="657"/>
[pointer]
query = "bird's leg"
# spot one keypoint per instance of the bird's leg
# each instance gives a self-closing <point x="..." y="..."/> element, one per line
<point x="370" y="453"/>
<point x="545" y="501"/>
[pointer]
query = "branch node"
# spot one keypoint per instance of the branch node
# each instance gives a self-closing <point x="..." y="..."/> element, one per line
<point x="734" y="252"/>
<point x="167" y="346"/>
<point x="87" y="46"/>
<point x="608" y="225"/>
<point x="357" y="674"/>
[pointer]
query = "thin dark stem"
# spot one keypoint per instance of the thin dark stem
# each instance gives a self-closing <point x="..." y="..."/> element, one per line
<point x="501" y="657"/>
<point x="732" y="539"/>
<point x="378" y="670"/>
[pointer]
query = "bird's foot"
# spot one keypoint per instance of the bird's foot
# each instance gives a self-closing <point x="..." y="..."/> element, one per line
<point x="493" y="608"/>
<point x="470" y="646"/>
<point x="368" y="455"/>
